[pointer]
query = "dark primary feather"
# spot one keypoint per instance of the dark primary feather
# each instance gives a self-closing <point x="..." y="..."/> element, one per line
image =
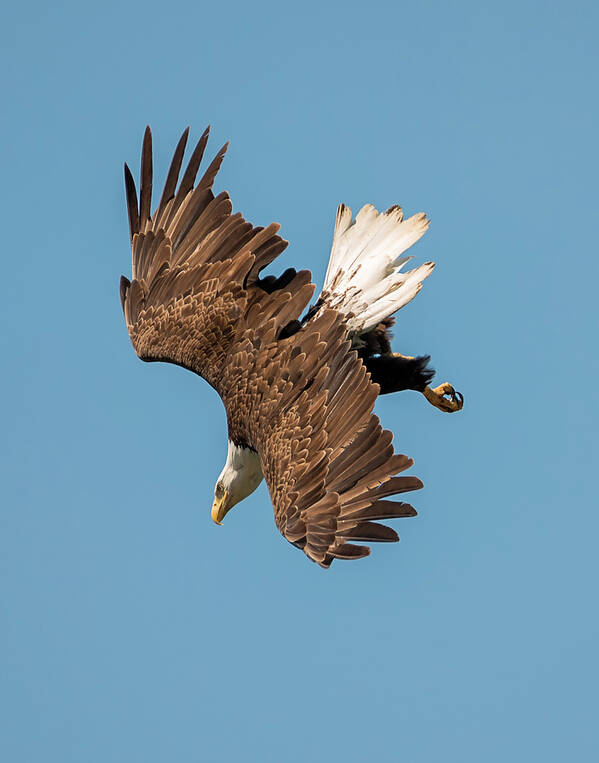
<point x="173" y="173"/>
<point x="145" y="186"/>
<point x="294" y="391"/>
<point x="131" y="202"/>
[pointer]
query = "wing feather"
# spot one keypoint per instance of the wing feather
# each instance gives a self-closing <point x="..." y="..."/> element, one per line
<point x="145" y="185"/>
<point x="189" y="176"/>
<point x="170" y="186"/>
<point x="132" y="206"/>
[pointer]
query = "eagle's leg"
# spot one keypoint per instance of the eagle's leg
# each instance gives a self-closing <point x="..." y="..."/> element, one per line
<point x="394" y="372"/>
<point x="444" y="397"/>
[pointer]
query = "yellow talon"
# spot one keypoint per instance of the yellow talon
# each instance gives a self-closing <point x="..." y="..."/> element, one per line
<point x="437" y="397"/>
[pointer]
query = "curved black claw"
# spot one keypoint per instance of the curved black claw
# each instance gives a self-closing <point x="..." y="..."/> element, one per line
<point x="457" y="398"/>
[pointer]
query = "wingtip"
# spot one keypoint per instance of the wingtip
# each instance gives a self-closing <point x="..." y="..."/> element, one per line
<point x="145" y="184"/>
<point x="132" y="205"/>
<point x="147" y="139"/>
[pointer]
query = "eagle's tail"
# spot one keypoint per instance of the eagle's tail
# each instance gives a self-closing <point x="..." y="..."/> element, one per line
<point x="364" y="279"/>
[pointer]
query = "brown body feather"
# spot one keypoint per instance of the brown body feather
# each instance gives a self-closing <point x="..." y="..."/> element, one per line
<point x="304" y="401"/>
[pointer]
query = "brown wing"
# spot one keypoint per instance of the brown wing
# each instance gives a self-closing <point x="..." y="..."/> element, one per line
<point x="327" y="461"/>
<point x="191" y="262"/>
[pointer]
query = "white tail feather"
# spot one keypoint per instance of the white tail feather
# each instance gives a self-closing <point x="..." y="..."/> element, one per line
<point x="364" y="274"/>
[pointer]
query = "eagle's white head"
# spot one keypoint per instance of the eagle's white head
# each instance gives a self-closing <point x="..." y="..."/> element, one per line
<point x="241" y="476"/>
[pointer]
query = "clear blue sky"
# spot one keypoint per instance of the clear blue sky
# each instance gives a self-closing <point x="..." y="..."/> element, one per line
<point x="133" y="628"/>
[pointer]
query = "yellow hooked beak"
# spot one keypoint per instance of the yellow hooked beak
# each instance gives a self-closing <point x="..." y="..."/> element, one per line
<point x="220" y="508"/>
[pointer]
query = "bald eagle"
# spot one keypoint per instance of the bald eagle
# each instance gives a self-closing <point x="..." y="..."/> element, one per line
<point x="298" y="391"/>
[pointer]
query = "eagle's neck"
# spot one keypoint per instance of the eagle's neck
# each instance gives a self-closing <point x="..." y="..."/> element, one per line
<point x="241" y="474"/>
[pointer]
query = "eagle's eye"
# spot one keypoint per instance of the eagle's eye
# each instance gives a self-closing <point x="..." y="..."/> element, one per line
<point x="219" y="492"/>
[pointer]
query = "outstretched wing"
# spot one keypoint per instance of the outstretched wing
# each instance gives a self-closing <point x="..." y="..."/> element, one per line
<point x="327" y="461"/>
<point x="191" y="261"/>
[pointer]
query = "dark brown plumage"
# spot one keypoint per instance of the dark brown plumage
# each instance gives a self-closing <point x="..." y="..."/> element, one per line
<point x="297" y="393"/>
